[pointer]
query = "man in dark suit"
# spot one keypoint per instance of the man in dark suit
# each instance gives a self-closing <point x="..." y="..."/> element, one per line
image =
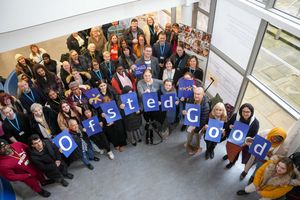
<point x="162" y="50"/>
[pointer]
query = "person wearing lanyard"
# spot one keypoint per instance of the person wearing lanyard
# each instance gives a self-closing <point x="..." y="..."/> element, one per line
<point x="30" y="95"/>
<point x="76" y="96"/>
<point x="15" y="126"/>
<point x="97" y="73"/>
<point x="162" y="49"/>
<point x="151" y="30"/>
<point x="16" y="166"/>
<point x="109" y="65"/>
<point x="179" y="58"/>
<point x="193" y="68"/>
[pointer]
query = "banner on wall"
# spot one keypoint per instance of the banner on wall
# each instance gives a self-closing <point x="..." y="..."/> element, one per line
<point x="194" y="40"/>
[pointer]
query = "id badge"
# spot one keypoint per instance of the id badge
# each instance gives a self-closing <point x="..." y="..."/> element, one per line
<point x="21" y="133"/>
<point x="162" y="58"/>
<point x="26" y="162"/>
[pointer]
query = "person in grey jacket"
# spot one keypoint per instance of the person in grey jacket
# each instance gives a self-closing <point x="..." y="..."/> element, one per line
<point x="150" y="61"/>
<point x="149" y="84"/>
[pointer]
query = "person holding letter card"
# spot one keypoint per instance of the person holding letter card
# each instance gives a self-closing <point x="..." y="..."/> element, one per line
<point x="246" y="116"/>
<point x="218" y="112"/>
<point x="202" y="100"/>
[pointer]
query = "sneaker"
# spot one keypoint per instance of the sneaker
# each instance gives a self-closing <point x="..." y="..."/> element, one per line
<point x="183" y="127"/>
<point x="96" y="159"/>
<point x="44" y="193"/>
<point x="101" y="151"/>
<point x="243" y="175"/>
<point x="110" y="155"/>
<point x="69" y="176"/>
<point x="241" y="192"/>
<point x="90" y="166"/>
<point x="64" y="183"/>
<point x="47" y="182"/>
<point x="225" y="157"/>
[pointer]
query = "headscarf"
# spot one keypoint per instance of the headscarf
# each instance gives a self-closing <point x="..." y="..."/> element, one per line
<point x="276" y="132"/>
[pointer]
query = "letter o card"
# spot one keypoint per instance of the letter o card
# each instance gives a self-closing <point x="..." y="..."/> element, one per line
<point x="260" y="147"/>
<point x="214" y="130"/>
<point x="238" y="133"/>
<point x="192" y="117"/>
<point x="92" y="126"/>
<point x="65" y="143"/>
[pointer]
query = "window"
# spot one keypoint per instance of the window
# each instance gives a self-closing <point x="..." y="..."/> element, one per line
<point x="278" y="65"/>
<point x="291" y="7"/>
<point x="202" y="22"/>
<point x="269" y="116"/>
<point x="205" y="5"/>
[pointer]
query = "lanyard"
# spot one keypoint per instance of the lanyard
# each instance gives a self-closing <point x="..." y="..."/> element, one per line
<point x="18" y="157"/>
<point x="32" y="99"/>
<point x="169" y="75"/>
<point x="17" y="126"/>
<point x="98" y="74"/>
<point x="190" y="70"/>
<point x="109" y="68"/>
<point x="151" y="30"/>
<point x="162" y="49"/>
<point x="78" y="98"/>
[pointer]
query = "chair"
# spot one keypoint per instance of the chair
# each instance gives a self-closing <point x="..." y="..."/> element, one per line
<point x="11" y="84"/>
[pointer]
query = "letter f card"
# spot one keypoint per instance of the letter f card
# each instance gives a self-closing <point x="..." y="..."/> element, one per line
<point x="92" y="126"/>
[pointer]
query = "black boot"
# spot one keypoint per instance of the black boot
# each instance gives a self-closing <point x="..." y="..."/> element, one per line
<point x="212" y="154"/>
<point x="151" y="136"/>
<point x="206" y="155"/>
<point x="44" y="193"/>
<point x="241" y="192"/>
<point x="147" y="137"/>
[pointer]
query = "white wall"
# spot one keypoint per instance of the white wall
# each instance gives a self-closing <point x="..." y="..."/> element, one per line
<point x="33" y="21"/>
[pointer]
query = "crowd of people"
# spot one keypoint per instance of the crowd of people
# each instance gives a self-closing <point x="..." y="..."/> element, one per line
<point x="51" y="98"/>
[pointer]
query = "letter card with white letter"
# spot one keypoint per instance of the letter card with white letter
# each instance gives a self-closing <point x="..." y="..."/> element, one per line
<point x="192" y="117"/>
<point x="238" y="133"/>
<point x="65" y="142"/>
<point x="214" y="130"/>
<point x="260" y="147"/>
<point x="111" y="111"/>
<point x="92" y="126"/>
<point x="168" y="102"/>
<point x="131" y="103"/>
<point x="150" y="101"/>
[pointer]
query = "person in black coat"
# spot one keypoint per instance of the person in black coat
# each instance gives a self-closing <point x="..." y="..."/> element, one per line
<point x="49" y="63"/>
<point x="246" y="116"/>
<point x="44" y="121"/>
<point x="97" y="73"/>
<point x="193" y="68"/>
<point x="92" y="54"/>
<point x="65" y="71"/>
<point x="46" y="157"/>
<point x="46" y="79"/>
<point x="76" y="41"/>
<point x="133" y="121"/>
<point x="30" y="95"/>
<point x="78" y="62"/>
<point x="131" y="34"/>
<point x="15" y="126"/>
<point x="54" y="99"/>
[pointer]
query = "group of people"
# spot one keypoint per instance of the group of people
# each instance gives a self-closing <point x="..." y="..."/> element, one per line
<point x="51" y="98"/>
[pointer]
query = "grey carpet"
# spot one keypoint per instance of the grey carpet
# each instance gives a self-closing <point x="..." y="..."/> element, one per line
<point x="163" y="171"/>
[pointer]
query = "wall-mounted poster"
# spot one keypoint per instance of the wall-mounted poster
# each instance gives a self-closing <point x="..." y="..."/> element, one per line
<point x="195" y="42"/>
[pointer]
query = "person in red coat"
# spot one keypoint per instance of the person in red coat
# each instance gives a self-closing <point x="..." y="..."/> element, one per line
<point x="121" y="79"/>
<point x="15" y="166"/>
